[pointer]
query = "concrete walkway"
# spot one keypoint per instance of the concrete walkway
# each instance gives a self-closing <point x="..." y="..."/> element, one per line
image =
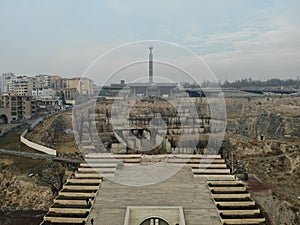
<point x="180" y="190"/>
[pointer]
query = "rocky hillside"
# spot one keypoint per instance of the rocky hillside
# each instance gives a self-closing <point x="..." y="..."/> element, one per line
<point x="273" y="117"/>
<point x="29" y="184"/>
<point x="55" y="132"/>
<point x="19" y="192"/>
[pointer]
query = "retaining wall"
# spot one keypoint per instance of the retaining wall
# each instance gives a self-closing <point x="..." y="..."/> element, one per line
<point x="34" y="145"/>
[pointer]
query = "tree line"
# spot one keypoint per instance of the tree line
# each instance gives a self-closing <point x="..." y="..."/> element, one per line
<point x="247" y="82"/>
<point x="274" y="82"/>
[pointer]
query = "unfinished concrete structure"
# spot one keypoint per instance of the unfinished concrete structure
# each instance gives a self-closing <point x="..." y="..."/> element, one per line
<point x="202" y="192"/>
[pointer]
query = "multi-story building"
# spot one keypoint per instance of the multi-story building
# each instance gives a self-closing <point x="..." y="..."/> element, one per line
<point x="6" y="79"/>
<point x="23" y="85"/>
<point x="72" y="86"/>
<point x="43" y="80"/>
<point x="19" y="85"/>
<point x="18" y="107"/>
<point x="43" y="92"/>
<point x="48" y="106"/>
<point x="48" y="87"/>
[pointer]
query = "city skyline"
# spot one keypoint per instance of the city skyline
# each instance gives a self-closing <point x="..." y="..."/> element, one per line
<point x="238" y="40"/>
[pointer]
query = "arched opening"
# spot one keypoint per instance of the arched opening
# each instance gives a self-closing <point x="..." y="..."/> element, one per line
<point x="154" y="221"/>
<point x="3" y="119"/>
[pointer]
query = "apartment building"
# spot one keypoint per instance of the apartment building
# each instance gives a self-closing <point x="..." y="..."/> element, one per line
<point x="72" y="86"/>
<point x="16" y="107"/>
<point x="6" y="78"/>
<point x="42" y="80"/>
<point x="43" y="92"/>
<point x="19" y="85"/>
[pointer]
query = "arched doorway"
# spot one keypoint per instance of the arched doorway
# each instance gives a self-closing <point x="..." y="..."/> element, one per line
<point x="154" y="221"/>
<point x="3" y="119"/>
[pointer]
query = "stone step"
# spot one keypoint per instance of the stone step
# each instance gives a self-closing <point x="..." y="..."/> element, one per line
<point x="97" y="170"/>
<point x="77" y="194"/>
<point x="88" y="147"/>
<point x="209" y="166"/>
<point x="113" y="160"/>
<point x="65" y="220"/>
<point x="84" y="181"/>
<point x="134" y="160"/>
<point x="235" y="195"/>
<point x="236" y="203"/>
<point x="192" y="161"/>
<point x="224" y="182"/>
<point x="69" y="210"/>
<point x="189" y="156"/>
<point x="214" y="177"/>
<point x="229" y="189"/>
<point x="243" y="221"/>
<point x="69" y="202"/>
<point x="98" y="165"/>
<point x="88" y="175"/>
<point x="73" y="187"/>
<point x="240" y="212"/>
<point x="111" y="156"/>
<point x="211" y="171"/>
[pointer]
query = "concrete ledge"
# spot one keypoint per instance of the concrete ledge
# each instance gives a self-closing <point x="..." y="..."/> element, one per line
<point x="84" y="181"/>
<point x="210" y="161"/>
<point x="65" y="220"/>
<point x="113" y="160"/>
<point x="246" y="195"/>
<point x="229" y="189"/>
<point x="211" y="171"/>
<point x="97" y="170"/>
<point x="132" y="160"/>
<point x="210" y="165"/>
<point x="99" y="156"/>
<point x="98" y="165"/>
<point x="242" y="203"/>
<point x="111" y="156"/>
<point x="240" y="212"/>
<point x="70" y="202"/>
<point x="225" y="182"/>
<point x="214" y="177"/>
<point x="196" y="156"/>
<point x="243" y="221"/>
<point x="79" y="187"/>
<point x="88" y="175"/>
<point x="69" y="210"/>
<point x="77" y="194"/>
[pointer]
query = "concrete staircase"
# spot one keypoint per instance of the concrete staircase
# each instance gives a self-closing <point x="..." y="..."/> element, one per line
<point x="204" y="183"/>
<point x="74" y="202"/>
<point x="211" y="167"/>
<point x="234" y="202"/>
<point x="179" y="190"/>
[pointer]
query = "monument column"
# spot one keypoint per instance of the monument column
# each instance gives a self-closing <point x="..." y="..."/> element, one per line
<point x="150" y="65"/>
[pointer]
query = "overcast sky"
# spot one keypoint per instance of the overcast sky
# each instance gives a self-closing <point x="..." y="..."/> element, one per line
<point x="237" y="39"/>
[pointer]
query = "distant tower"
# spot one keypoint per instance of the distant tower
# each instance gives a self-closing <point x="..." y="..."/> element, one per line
<point x="150" y="65"/>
